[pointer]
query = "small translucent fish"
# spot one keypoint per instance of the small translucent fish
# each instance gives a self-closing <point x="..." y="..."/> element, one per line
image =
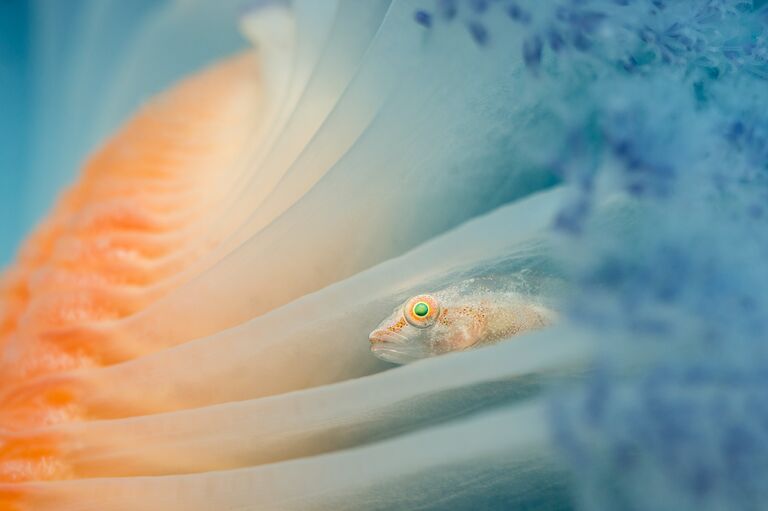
<point x="464" y="316"/>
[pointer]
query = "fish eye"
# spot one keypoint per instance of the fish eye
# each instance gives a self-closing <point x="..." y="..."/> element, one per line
<point x="421" y="311"/>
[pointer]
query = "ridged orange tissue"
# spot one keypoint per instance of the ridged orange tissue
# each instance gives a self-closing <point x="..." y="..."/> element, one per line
<point x="116" y="241"/>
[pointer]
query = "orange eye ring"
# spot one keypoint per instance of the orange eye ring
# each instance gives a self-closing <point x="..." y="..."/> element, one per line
<point x="421" y="311"/>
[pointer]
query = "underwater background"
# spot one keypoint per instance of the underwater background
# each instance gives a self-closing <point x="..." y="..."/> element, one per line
<point x="13" y="84"/>
<point x="607" y="157"/>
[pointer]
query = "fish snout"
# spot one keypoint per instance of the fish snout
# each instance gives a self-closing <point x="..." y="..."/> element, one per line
<point x="394" y="347"/>
<point x="384" y="336"/>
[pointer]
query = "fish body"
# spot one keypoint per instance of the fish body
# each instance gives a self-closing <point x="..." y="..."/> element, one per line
<point x="458" y="318"/>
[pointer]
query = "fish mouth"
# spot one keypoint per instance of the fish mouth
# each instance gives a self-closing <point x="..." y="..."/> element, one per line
<point x="394" y="347"/>
<point x="383" y="336"/>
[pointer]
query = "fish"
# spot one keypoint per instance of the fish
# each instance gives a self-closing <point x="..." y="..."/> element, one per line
<point x="460" y="317"/>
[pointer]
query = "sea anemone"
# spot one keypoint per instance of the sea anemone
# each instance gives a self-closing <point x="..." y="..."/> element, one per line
<point x="262" y="184"/>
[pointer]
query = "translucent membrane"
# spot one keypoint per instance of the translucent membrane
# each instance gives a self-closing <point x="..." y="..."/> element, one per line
<point x="353" y="28"/>
<point x="506" y="452"/>
<point x="317" y="420"/>
<point x="429" y="175"/>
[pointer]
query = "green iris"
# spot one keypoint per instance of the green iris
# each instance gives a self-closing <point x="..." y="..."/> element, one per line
<point x="421" y="309"/>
